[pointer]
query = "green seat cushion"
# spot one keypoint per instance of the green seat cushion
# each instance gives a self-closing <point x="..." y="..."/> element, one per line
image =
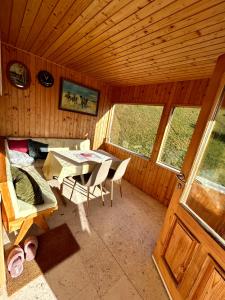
<point x="26" y="187"/>
<point x="37" y="150"/>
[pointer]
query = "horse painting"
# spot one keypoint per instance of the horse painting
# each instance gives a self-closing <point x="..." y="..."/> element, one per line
<point x="78" y="98"/>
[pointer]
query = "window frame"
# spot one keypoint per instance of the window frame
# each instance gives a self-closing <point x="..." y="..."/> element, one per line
<point x="165" y="135"/>
<point x="148" y="158"/>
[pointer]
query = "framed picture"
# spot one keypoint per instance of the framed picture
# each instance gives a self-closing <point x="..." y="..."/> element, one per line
<point x="18" y="74"/>
<point x="78" y="98"/>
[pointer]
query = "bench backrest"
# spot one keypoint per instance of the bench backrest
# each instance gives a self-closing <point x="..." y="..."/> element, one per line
<point x="60" y="144"/>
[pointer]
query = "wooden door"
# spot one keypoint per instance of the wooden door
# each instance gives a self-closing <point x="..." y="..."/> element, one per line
<point x="189" y="254"/>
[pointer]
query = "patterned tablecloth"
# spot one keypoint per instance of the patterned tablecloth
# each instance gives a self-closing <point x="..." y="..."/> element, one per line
<point x="71" y="163"/>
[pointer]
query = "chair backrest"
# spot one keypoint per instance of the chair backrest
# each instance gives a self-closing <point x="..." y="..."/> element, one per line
<point x="121" y="169"/>
<point x="99" y="173"/>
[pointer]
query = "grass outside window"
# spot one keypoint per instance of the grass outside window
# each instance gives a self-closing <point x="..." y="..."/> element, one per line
<point x="178" y="136"/>
<point x="134" y="127"/>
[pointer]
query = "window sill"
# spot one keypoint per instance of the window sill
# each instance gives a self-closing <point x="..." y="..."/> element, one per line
<point x="129" y="151"/>
<point x="168" y="167"/>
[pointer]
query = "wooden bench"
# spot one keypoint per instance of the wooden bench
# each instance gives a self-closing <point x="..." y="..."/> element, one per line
<point x="16" y="214"/>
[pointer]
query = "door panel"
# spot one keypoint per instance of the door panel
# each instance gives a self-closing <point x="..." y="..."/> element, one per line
<point x="210" y="283"/>
<point x="179" y="251"/>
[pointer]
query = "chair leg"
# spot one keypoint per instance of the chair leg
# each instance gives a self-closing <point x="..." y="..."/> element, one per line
<point x="111" y="193"/>
<point x="73" y="189"/>
<point x="121" y="194"/>
<point x="23" y="230"/>
<point x="60" y="191"/>
<point x="94" y="189"/>
<point x="103" y="186"/>
<point x="41" y="222"/>
<point x="103" y="201"/>
<point x="88" y="193"/>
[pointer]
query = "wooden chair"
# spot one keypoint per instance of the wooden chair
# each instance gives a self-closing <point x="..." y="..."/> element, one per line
<point x="116" y="175"/>
<point x="16" y="214"/>
<point x="96" y="178"/>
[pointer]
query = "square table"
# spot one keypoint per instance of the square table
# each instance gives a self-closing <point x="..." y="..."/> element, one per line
<point x="75" y="162"/>
<point x="64" y="164"/>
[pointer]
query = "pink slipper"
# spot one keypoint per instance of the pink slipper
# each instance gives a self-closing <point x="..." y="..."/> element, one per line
<point x="15" y="261"/>
<point x="30" y="247"/>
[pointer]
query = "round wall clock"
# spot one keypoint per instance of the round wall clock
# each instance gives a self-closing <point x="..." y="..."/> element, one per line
<point x="18" y="74"/>
<point x="45" y="78"/>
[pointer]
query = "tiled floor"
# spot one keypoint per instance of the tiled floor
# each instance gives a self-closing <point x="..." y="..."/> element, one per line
<point x="114" y="262"/>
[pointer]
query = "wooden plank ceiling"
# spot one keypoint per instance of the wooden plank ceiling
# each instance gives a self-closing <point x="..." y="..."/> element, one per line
<point x="122" y="42"/>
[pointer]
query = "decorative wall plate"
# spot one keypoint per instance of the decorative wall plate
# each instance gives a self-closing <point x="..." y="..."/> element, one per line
<point x="45" y="78"/>
<point x="18" y="74"/>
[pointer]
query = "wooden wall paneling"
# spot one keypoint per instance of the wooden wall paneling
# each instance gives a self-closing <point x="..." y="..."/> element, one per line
<point x="120" y="42"/>
<point x="98" y="24"/>
<point x="143" y="170"/>
<point x="164" y="185"/>
<point x="32" y="98"/>
<point x="27" y="97"/>
<point x="32" y="8"/>
<point x="5" y="97"/>
<point x="44" y="12"/>
<point x="137" y="171"/>
<point x="17" y="14"/>
<point x="77" y="9"/>
<point x="5" y="14"/>
<point x="34" y="111"/>
<point x="118" y="21"/>
<point x="160" y="183"/>
<point x="146" y="176"/>
<point x="54" y="16"/>
<point x="173" y="45"/>
<point x="148" y="64"/>
<point x="0" y="67"/>
<point x="157" y="181"/>
<point x="184" y="23"/>
<point x="10" y="120"/>
<point x="151" y="15"/>
<point x="37" y="101"/>
<point x="51" y="102"/>
<point x="87" y="15"/>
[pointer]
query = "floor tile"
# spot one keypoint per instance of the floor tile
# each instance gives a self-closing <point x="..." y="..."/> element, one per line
<point x="104" y="272"/>
<point x="122" y="290"/>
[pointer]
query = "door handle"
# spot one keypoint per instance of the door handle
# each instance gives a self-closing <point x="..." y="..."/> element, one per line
<point x="181" y="180"/>
<point x="181" y="177"/>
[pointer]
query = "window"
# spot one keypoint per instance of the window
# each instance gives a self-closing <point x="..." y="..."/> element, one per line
<point x="213" y="163"/>
<point x="178" y="136"/>
<point x="134" y="127"/>
<point x="204" y="193"/>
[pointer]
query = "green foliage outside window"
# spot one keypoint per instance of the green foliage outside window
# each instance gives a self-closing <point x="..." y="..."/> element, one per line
<point x="181" y="128"/>
<point x="213" y="163"/>
<point x="134" y="127"/>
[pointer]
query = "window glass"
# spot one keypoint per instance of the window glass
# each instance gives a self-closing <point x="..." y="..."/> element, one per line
<point x="212" y="168"/>
<point x="178" y="136"/>
<point x="134" y="127"/>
